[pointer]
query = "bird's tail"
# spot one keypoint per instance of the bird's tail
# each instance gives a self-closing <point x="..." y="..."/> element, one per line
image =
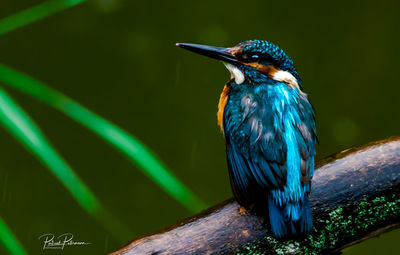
<point x="291" y="219"/>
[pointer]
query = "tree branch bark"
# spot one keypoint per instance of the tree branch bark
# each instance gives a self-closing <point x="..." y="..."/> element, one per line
<point x="355" y="195"/>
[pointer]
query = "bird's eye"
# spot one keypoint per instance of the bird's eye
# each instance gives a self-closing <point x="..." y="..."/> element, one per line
<point x="254" y="57"/>
<point x="248" y="58"/>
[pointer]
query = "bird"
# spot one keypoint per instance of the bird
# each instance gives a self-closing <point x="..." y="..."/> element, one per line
<point x="269" y="127"/>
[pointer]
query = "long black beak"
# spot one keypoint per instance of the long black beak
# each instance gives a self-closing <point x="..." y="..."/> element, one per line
<point x="210" y="51"/>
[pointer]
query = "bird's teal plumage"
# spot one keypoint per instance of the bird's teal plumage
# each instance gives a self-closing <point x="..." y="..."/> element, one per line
<point x="270" y="134"/>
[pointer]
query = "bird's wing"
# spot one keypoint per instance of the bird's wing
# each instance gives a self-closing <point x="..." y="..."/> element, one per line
<point x="307" y="138"/>
<point x="256" y="150"/>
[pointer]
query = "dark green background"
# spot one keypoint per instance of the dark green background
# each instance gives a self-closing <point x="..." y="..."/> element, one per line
<point x="118" y="58"/>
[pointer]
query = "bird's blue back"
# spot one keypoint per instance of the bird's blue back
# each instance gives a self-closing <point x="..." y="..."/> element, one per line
<point x="270" y="134"/>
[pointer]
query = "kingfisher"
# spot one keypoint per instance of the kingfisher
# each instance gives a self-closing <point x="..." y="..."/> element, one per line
<point x="270" y="132"/>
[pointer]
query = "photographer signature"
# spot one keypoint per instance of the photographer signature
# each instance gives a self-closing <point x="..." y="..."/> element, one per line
<point x="50" y="241"/>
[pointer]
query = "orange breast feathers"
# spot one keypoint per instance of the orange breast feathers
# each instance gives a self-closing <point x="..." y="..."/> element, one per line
<point x="221" y="105"/>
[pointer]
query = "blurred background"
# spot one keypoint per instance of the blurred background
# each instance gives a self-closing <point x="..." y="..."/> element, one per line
<point x="118" y="58"/>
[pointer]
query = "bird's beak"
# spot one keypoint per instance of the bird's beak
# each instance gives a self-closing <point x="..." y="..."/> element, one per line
<point x="211" y="51"/>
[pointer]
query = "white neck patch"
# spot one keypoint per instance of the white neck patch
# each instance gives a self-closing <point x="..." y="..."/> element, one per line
<point x="280" y="75"/>
<point x="236" y="73"/>
<point x="286" y="77"/>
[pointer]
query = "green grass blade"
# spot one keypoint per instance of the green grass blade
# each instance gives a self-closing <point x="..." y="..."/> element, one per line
<point x="117" y="137"/>
<point x="35" y="13"/>
<point x="18" y="123"/>
<point x="9" y="240"/>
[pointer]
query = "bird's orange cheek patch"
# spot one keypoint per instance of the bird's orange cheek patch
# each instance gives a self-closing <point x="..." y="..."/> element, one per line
<point x="268" y="70"/>
<point x="221" y="105"/>
<point x="276" y="74"/>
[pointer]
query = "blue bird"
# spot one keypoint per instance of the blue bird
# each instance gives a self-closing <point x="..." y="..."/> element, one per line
<point x="270" y="132"/>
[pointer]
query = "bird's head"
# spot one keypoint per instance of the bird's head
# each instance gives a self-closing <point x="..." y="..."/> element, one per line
<point x="253" y="61"/>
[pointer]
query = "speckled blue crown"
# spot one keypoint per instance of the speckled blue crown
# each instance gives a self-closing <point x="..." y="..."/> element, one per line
<point x="278" y="57"/>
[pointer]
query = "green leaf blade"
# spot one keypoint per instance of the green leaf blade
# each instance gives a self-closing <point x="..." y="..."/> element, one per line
<point x="136" y="151"/>
<point x="9" y="241"/>
<point x="18" y="123"/>
<point x="34" y="14"/>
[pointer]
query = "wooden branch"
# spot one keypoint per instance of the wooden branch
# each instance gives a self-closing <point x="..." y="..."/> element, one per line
<point x="355" y="195"/>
